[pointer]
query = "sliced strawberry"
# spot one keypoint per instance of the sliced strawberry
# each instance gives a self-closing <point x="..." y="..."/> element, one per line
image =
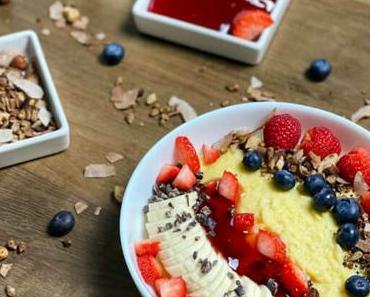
<point x="167" y="174"/>
<point x="210" y="188"/>
<point x="244" y="222"/>
<point x="210" y="154"/>
<point x="172" y="287"/>
<point x="185" y="153"/>
<point x="249" y="24"/>
<point x="270" y="245"/>
<point x="147" y="247"/>
<point x="150" y="268"/>
<point x="294" y="280"/>
<point x="185" y="180"/>
<point x="228" y="186"/>
<point x="365" y="202"/>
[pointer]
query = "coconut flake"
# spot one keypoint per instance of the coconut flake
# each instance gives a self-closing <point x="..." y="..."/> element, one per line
<point x="97" y="210"/>
<point x="362" y="113"/>
<point x="31" y="89"/>
<point x="44" y="116"/>
<point x="56" y="11"/>
<point x="6" y="57"/>
<point x="186" y="110"/>
<point x="113" y="157"/>
<point x="124" y="99"/>
<point x="255" y="83"/>
<point x="6" y="135"/>
<point x="80" y="207"/>
<point x="359" y="184"/>
<point x="81" y="23"/>
<point x="81" y="37"/>
<point x="100" y="36"/>
<point x="233" y="263"/>
<point x="328" y="162"/>
<point x="45" y="31"/>
<point x="224" y="28"/>
<point x="99" y="171"/>
<point x="5" y="269"/>
<point x="61" y="23"/>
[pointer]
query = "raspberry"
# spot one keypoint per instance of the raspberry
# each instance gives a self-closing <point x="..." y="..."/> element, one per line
<point x="356" y="160"/>
<point x="321" y="141"/>
<point x="282" y="131"/>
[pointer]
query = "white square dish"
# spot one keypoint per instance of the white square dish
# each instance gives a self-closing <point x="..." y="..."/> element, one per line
<point x="251" y="52"/>
<point x="27" y="43"/>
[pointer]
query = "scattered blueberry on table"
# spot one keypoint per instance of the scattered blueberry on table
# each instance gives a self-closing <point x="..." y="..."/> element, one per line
<point x="319" y="70"/>
<point x="284" y="179"/>
<point x="357" y="286"/>
<point x="347" y="211"/>
<point x="348" y="235"/>
<point x="113" y="53"/>
<point x="61" y="224"/>
<point x="252" y="160"/>
<point x="325" y="199"/>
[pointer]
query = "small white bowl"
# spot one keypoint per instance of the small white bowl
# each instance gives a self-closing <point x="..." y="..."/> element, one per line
<point x="27" y="43"/>
<point x="208" y="128"/>
<point x="251" y="52"/>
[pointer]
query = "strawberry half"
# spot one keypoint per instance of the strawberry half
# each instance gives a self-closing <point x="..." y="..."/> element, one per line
<point x="228" y="186"/>
<point x="244" y="222"/>
<point x="167" y="174"/>
<point x="147" y="247"/>
<point x="185" y="153"/>
<point x="270" y="245"/>
<point x="185" y="180"/>
<point x="294" y="280"/>
<point x="173" y="287"/>
<point x="150" y="268"/>
<point x="249" y="24"/>
<point x="210" y="155"/>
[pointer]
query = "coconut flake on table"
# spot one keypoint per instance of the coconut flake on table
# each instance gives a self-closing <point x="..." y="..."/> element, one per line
<point x="124" y="99"/>
<point x="6" y="135"/>
<point x="45" y="31"/>
<point x="359" y="184"/>
<point x="100" y="36"/>
<point x="97" y="210"/>
<point x="80" y="207"/>
<point x="61" y="23"/>
<point x="56" y="11"/>
<point x="82" y="23"/>
<point x="113" y="157"/>
<point x="362" y="113"/>
<point x="184" y="108"/>
<point x="99" y="170"/>
<point x="31" y="89"/>
<point x="5" y="269"/>
<point x="81" y="37"/>
<point x="255" y="83"/>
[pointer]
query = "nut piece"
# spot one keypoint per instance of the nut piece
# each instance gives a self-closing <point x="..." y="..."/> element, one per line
<point x="151" y="99"/>
<point x="5" y="269"/>
<point x="11" y="245"/>
<point x="130" y="117"/>
<point x="118" y="193"/>
<point x="10" y="291"/>
<point x="71" y="14"/>
<point x="20" y="62"/>
<point x="21" y="248"/>
<point x="3" y="253"/>
<point x="67" y="242"/>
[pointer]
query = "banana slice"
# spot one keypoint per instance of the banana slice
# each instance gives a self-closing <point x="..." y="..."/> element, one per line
<point x="166" y="213"/>
<point x="188" y="200"/>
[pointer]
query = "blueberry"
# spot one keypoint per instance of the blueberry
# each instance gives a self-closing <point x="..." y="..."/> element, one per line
<point x="357" y="286"/>
<point x="252" y="160"/>
<point x="319" y="70"/>
<point x="347" y="211"/>
<point x="61" y="224"/>
<point x="347" y="235"/>
<point x="113" y="53"/>
<point x="314" y="183"/>
<point x="325" y="199"/>
<point x="284" y="179"/>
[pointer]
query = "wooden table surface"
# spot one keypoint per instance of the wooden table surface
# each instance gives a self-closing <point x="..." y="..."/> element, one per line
<point x="32" y="192"/>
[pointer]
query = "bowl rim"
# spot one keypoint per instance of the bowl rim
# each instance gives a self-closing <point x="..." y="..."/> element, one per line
<point x="125" y="245"/>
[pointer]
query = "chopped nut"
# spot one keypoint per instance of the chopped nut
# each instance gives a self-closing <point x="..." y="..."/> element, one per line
<point x="10" y="291"/>
<point x="154" y="112"/>
<point x="232" y="88"/>
<point x="45" y="31"/>
<point x="80" y="207"/>
<point x="5" y="269"/>
<point x="225" y="103"/>
<point x="130" y="117"/>
<point x="100" y="36"/>
<point x="11" y="245"/>
<point x="71" y="14"/>
<point x="118" y="193"/>
<point x="67" y="242"/>
<point x="19" y="62"/>
<point x="119" y="81"/>
<point x="151" y="99"/>
<point x="3" y="253"/>
<point x="113" y="157"/>
<point x="99" y="170"/>
<point x="21" y="248"/>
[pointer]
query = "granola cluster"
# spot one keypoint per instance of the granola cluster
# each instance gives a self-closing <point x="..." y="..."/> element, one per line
<point x="23" y="110"/>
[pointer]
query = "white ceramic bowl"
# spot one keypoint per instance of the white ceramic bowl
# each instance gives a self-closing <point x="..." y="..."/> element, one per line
<point x="206" y="39"/>
<point x="208" y="128"/>
<point x="27" y="43"/>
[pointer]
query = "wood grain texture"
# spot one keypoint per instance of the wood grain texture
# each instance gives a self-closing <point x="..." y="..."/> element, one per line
<point x="31" y="193"/>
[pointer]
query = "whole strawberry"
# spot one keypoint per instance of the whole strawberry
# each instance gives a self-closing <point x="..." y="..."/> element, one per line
<point x="356" y="160"/>
<point x="321" y="141"/>
<point x="282" y="131"/>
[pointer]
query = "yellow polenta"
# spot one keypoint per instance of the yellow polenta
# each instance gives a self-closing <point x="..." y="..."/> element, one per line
<point x="308" y="234"/>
